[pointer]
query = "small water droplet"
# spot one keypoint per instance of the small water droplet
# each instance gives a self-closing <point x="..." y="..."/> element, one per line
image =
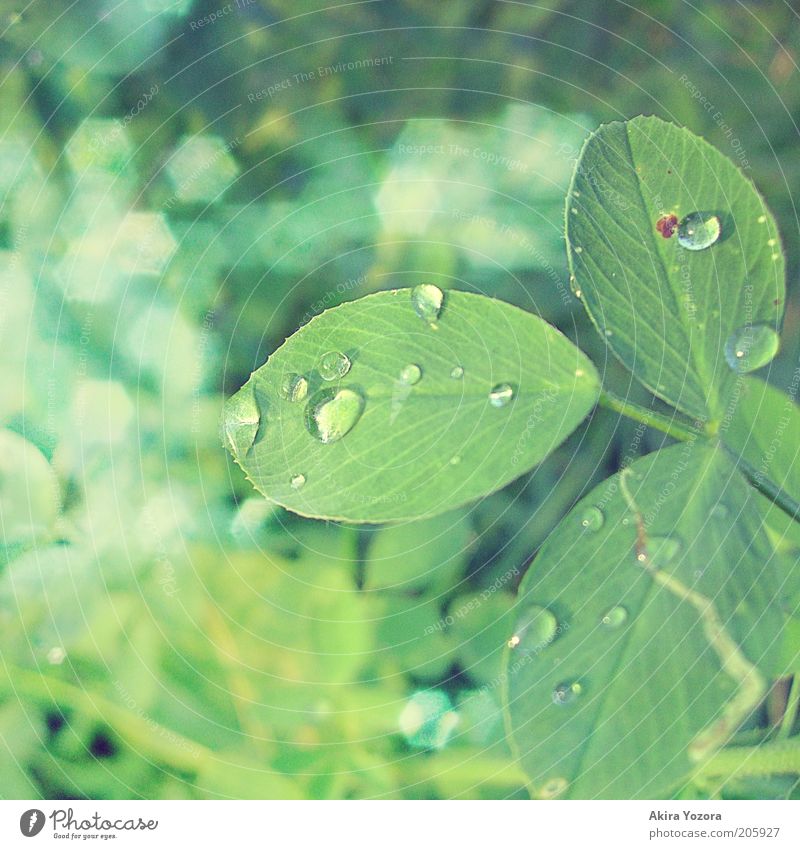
<point x="592" y="518"/>
<point x="720" y="510"/>
<point x="333" y="365"/>
<point x="332" y="413"/>
<point x="535" y="629"/>
<point x="566" y="692"/>
<point x="698" y="231"/>
<point x="501" y="394"/>
<point x="552" y="788"/>
<point x="455" y="460"/>
<point x="427" y="301"/>
<point x="578" y="294"/>
<point x="56" y="656"/>
<point x="762" y="219"/>
<point x="410" y="374"/>
<point x="294" y="387"/>
<point x="457" y="372"/>
<point x="661" y="551"/>
<point x="298" y="481"/>
<point x="579" y="250"/>
<point x="615" y="617"/>
<point x="751" y="347"/>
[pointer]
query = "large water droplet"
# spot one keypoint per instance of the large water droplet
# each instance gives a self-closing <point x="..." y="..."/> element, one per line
<point x="298" y="481"/>
<point x="501" y="394"/>
<point x="427" y="300"/>
<point x="592" y="518"/>
<point x="294" y="387"/>
<point x="751" y="347"/>
<point x="566" y="692"/>
<point x="241" y="419"/>
<point x="333" y="365"/>
<point x="535" y="629"/>
<point x="698" y="230"/>
<point x="457" y="372"/>
<point x="616" y="617"/>
<point x="410" y="374"/>
<point x="331" y="413"/>
<point x="663" y="550"/>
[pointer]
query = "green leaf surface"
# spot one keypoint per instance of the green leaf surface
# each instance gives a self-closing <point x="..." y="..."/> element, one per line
<point x="651" y="681"/>
<point x="668" y="312"/>
<point x="416" y="449"/>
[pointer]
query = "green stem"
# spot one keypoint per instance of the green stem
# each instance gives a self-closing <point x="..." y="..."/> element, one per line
<point x="779" y="497"/>
<point x="141" y="733"/>
<point x="781" y="758"/>
<point x="667" y="424"/>
<point x="792" y="704"/>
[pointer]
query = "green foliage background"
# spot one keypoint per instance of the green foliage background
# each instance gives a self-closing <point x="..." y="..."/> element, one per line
<point x="183" y="186"/>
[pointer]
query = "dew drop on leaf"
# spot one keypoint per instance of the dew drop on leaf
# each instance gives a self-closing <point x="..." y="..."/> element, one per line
<point x="501" y="394"/>
<point x="535" y="629"/>
<point x="333" y="365"/>
<point x="427" y="301"/>
<point x="455" y="460"/>
<point x="410" y="374"/>
<point x="332" y="413"/>
<point x="720" y="510"/>
<point x="298" y="481"/>
<point x="616" y="617"/>
<point x="552" y="788"/>
<point x="663" y="550"/>
<point x="566" y="692"/>
<point x="750" y="347"/>
<point x="294" y="387"/>
<point x="698" y="231"/>
<point x="457" y="372"/>
<point x="241" y="420"/>
<point x="592" y="519"/>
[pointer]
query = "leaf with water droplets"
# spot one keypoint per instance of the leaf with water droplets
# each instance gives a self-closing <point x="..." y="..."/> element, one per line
<point x="613" y="706"/>
<point x="673" y="249"/>
<point x="395" y="436"/>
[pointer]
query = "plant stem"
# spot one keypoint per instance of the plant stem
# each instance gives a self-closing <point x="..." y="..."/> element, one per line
<point x="667" y="424"/>
<point x="792" y="704"/>
<point x="781" y="758"/>
<point x="141" y="733"/>
<point x="779" y="497"/>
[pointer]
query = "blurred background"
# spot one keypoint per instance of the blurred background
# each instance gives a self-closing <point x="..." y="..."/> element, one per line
<point x="183" y="183"/>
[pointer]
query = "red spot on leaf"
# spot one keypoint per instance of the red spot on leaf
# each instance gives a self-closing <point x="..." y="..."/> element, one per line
<point x="666" y="225"/>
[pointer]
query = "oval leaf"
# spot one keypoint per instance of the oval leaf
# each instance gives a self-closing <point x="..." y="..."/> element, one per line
<point x="409" y="429"/>
<point x="623" y="680"/>
<point x="672" y="313"/>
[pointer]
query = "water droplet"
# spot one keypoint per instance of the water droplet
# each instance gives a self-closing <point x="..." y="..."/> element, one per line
<point x="56" y="656"/>
<point x="410" y="374"/>
<point x="615" y="617"/>
<point x="592" y="518"/>
<point x="333" y="365"/>
<point x="578" y="294"/>
<point x="298" y="481"/>
<point x="535" y="629"/>
<point x="751" y="347"/>
<point x="427" y="301"/>
<point x="698" y="231"/>
<point x="720" y="510"/>
<point x="566" y="692"/>
<point x="501" y="394"/>
<point x="455" y="460"/>
<point x="579" y="250"/>
<point x="241" y="419"/>
<point x="661" y="551"/>
<point x="457" y="372"/>
<point x="332" y="413"/>
<point x="294" y="387"/>
<point x="762" y="219"/>
<point x="552" y="788"/>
